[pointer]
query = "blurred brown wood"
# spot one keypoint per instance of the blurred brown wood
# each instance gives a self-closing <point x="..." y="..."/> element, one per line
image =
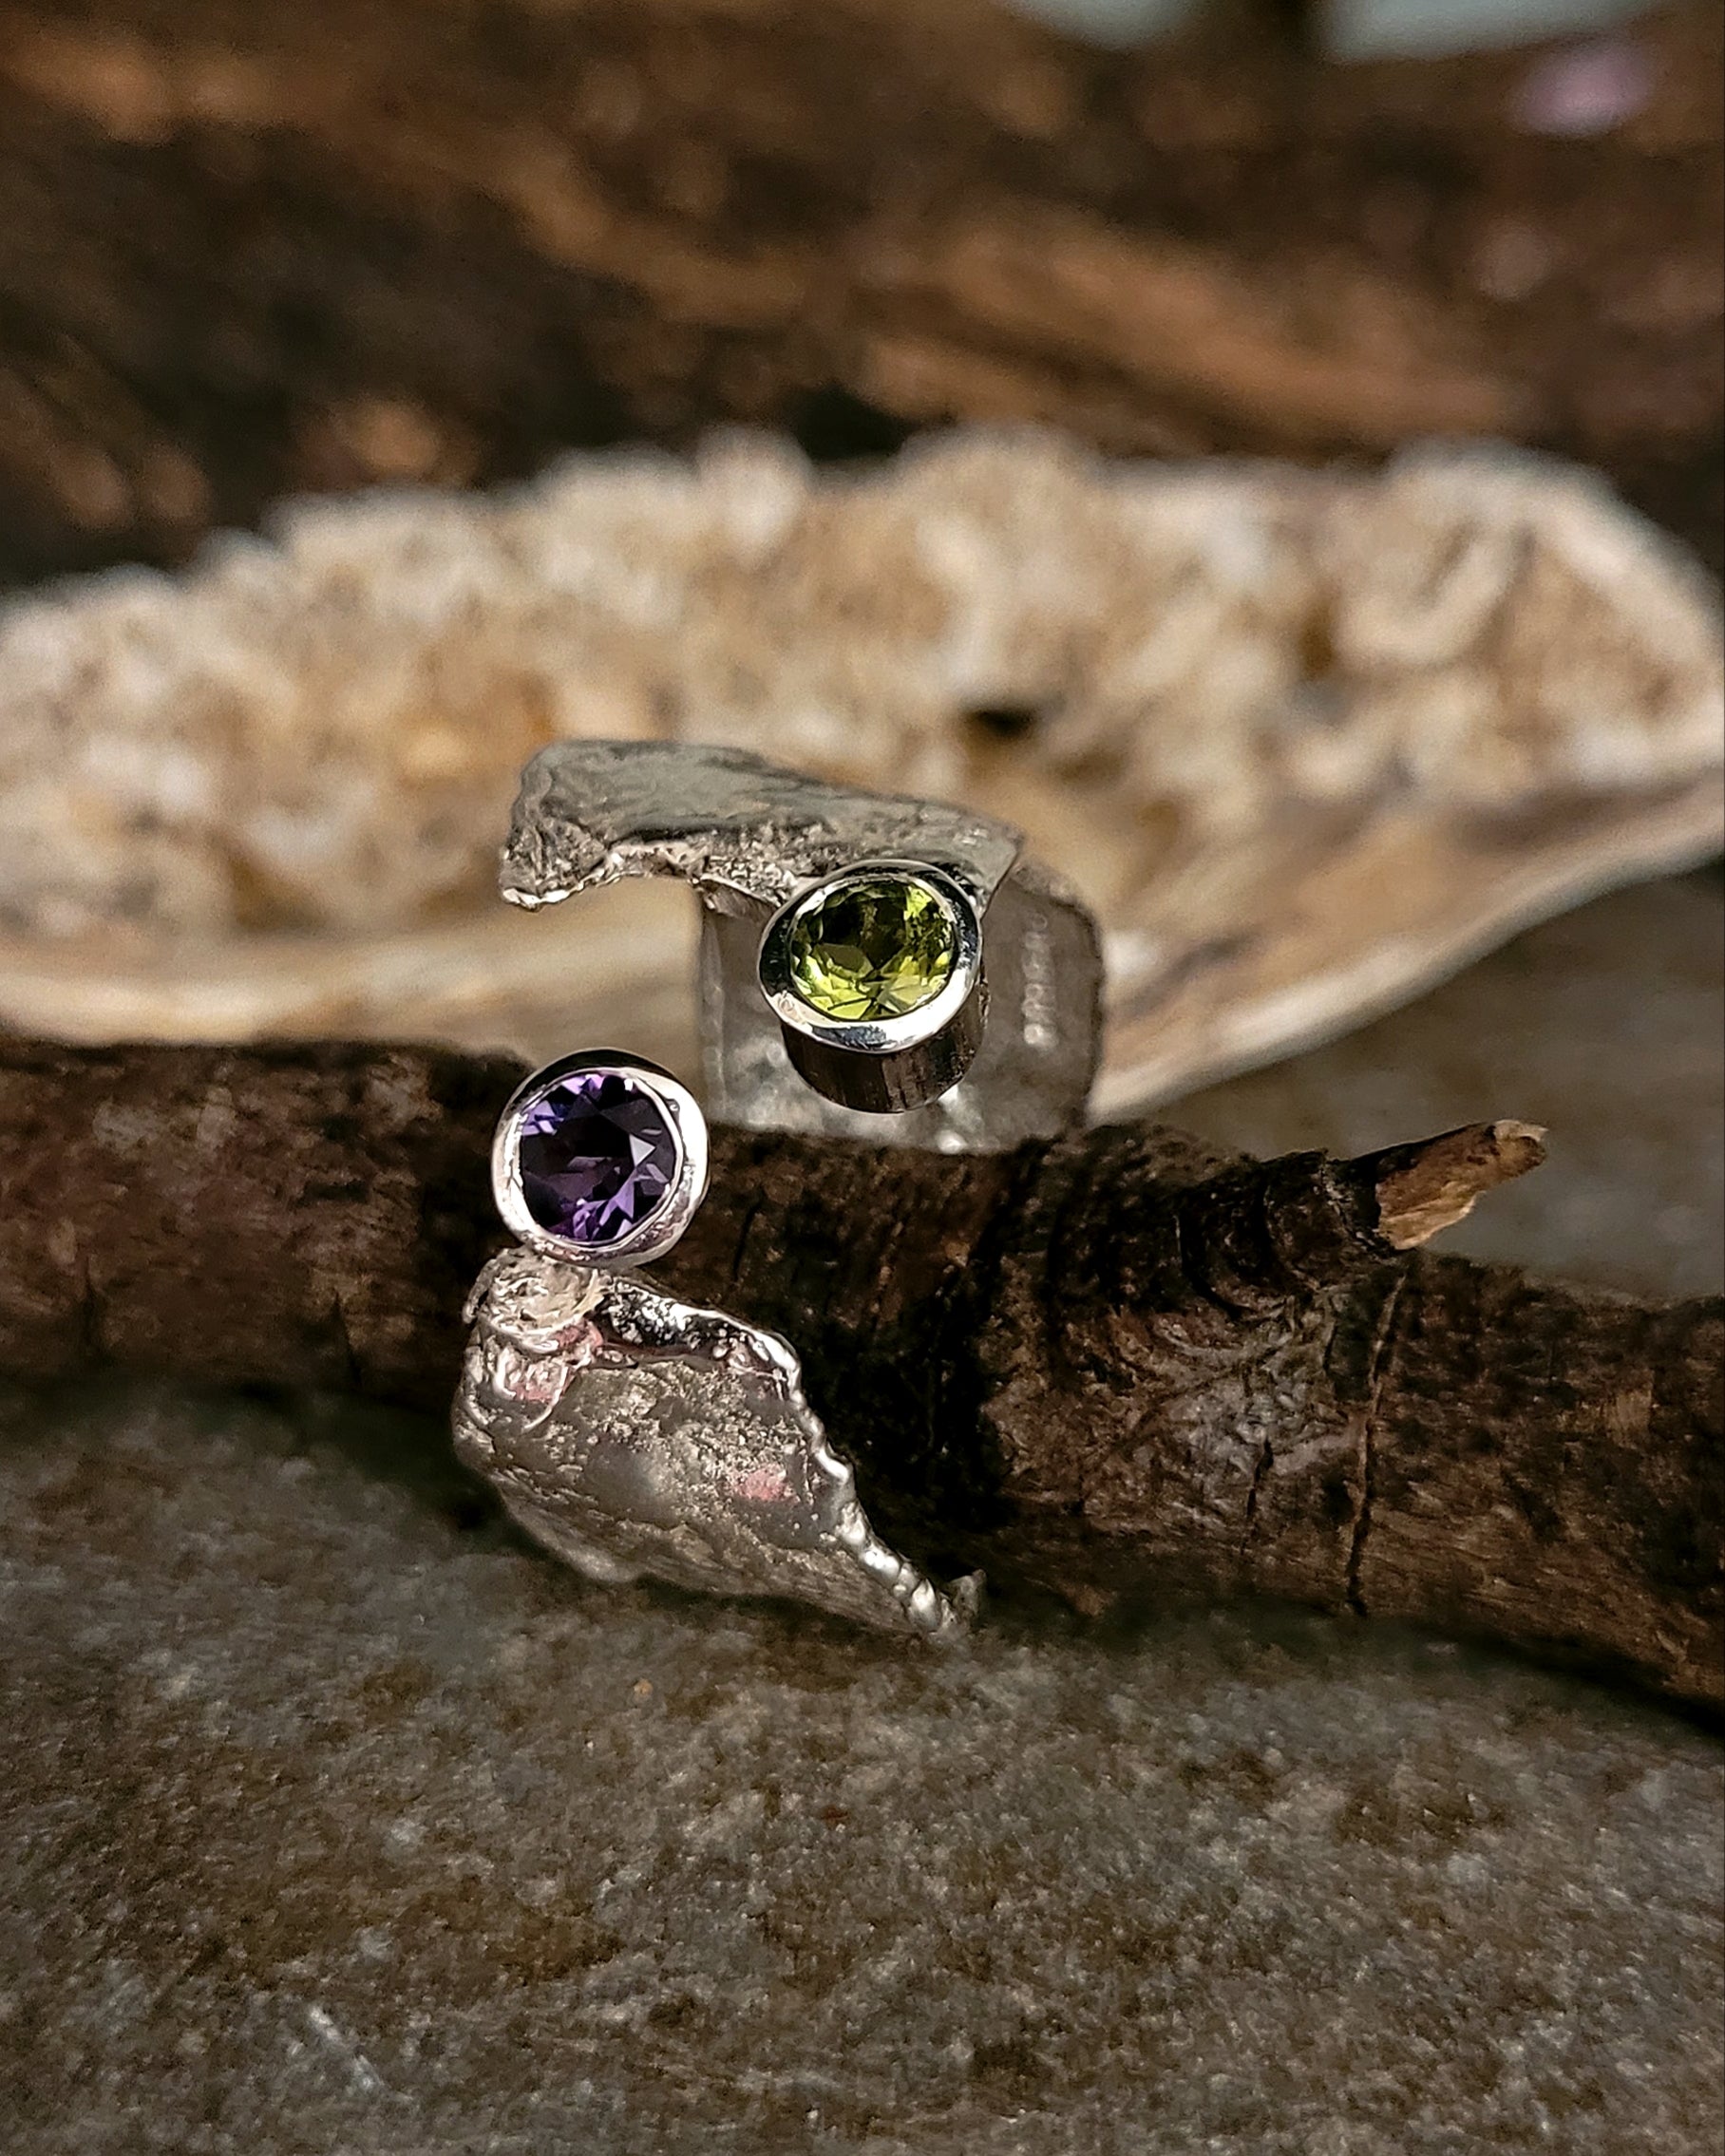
<point x="247" y="252"/>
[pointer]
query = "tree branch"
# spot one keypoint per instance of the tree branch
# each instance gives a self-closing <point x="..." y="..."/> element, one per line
<point x="1423" y="1189"/>
<point x="1115" y="1364"/>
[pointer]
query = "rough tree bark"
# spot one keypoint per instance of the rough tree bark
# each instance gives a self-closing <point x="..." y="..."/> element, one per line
<point x="245" y="252"/>
<point x="1117" y="1364"/>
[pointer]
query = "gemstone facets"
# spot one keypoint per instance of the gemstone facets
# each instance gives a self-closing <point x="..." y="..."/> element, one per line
<point x="597" y="1157"/>
<point x="872" y="948"/>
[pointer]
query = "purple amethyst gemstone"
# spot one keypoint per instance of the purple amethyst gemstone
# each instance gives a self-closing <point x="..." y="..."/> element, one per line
<point x="597" y="1155"/>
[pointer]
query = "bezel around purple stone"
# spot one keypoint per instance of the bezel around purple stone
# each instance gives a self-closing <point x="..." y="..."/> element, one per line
<point x="619" y="1241"/>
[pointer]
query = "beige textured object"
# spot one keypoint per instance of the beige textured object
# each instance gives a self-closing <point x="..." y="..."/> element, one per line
<point x="1305" y="741"/>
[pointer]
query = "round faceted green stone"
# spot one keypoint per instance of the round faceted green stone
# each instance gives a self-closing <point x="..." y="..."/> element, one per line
<point x="874" y="948"/>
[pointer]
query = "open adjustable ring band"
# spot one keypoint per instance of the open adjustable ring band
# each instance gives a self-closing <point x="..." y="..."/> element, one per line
<point x="633" y="1434"/>
<point x="871" y="964"/>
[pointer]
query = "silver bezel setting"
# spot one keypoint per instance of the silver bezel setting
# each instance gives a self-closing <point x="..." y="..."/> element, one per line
<point x="747" y="836"/>
<point x="665" y="1226"/>
<point x="877" y="1036"/>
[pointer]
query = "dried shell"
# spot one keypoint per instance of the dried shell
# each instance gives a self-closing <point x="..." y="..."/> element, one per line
<point x="1306" y="740"/>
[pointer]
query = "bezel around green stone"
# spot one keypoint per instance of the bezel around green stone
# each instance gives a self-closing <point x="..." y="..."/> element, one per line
<point x="882" y="1036"/>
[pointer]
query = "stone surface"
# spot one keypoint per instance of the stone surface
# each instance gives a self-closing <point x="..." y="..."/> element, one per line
<point x="337" y="1818"/>
<point x="597" y="1155"/>
<point x="872" y="947"/>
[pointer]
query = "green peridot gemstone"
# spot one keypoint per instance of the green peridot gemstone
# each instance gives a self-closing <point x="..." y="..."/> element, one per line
<point x="875" y="948"/>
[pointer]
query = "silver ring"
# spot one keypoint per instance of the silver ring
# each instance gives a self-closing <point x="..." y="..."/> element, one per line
<point x="975" y="1028"/>
<point x="634" y="1434"/>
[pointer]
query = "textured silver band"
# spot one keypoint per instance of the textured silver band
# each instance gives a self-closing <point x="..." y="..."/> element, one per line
<point x="637" y="1435"/>
<point x="749" y="837"/>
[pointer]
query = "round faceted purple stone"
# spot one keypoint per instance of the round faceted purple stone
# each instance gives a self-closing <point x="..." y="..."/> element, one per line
<point x="597" y="1155"/>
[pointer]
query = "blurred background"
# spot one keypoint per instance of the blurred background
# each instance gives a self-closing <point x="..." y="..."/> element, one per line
<point x="246" y="253"/>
